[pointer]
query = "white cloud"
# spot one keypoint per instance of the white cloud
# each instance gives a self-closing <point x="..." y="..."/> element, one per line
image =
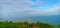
<point x="25" y="5"/>
<point x="23" y="9"/>
<point x="55" y="10"/>
<point x="52" y="11"/>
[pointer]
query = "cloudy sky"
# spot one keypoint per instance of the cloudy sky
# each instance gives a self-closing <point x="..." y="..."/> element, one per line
<point x="21" y="8"/>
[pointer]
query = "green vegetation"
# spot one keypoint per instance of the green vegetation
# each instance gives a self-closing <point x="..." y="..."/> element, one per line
<point x="58" y="26"/>
<point x="25" y="25"/>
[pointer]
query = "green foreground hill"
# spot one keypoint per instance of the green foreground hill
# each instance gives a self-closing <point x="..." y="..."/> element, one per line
<point x="25" y="25"/>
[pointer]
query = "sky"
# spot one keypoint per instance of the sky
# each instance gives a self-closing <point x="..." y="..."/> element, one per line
<point x="23" y="8"/>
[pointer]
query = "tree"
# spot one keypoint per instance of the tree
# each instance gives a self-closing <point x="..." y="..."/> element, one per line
<point x="11" y="22"/>
<point x="58" y="26"/>
<point x="6" y="21"/>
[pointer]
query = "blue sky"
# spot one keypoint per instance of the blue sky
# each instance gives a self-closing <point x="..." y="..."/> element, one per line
<point x="23" y="8"/>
